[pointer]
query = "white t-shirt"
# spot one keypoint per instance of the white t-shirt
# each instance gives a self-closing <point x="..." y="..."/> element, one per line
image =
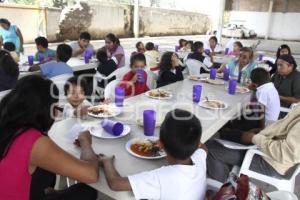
<point x="69" y="109"/>
<point x="217" y="49"/>
<point x="267" y="95"/>
<point x="75" y="46"/>
<point x="173" y="182"/>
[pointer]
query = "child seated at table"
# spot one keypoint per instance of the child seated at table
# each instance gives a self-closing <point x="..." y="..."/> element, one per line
<point x="182" y="43"/>
<point x="185" y="175"/>
<point x="75" y="91"/>
<point x="56" y="67"/>
<point x="135" y="81"/>
<point x="9" y="46"/>
<point x="42" y="48"/>
<point x="140" y="48"/>
<point x="197" y="54"/>
<point x="237" y="46"/>
<point x="106" y="66"/>
<point x="265" y="108"/>
<point x="83" y="44"/>
<point x="153" y="55"/>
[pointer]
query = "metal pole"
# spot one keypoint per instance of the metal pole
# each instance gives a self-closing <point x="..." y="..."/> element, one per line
<point x="269" y="19"/>
<point x="220" y="21"/>
<point x="136" y="19"/>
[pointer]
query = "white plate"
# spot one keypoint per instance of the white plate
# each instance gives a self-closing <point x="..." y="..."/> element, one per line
<point x="99" y="132"/>
<point x="204" y="105"/>
<point x="162" y="98"/>
<point x="112" y="111"/>
<point x="240" y="88"/>
<point x="216" y="81"/>
<point x="198" y="77"/>
<point x="132" y="141"/>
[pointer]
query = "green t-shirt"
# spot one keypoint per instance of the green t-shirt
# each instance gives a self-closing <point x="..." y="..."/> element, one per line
<point x="45" y="53"/>
<point x="288" y="86"/>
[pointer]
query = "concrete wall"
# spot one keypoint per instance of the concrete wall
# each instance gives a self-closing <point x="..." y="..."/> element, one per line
<point x="283" y="25"/>
<point x="52" y="21"/>
<point x="155" y="22"/>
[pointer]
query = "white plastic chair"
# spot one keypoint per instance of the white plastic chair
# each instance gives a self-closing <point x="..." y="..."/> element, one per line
<point x="194" y="66"/>
<point x="60" y="82"/>
<point x="3" y="94"/>
<point x="109" y="91"/>
<point x="287" y="110"/>
<point x="280" y="195"/>
<point x="118" y="73"/>
<point x="280" y="184"/>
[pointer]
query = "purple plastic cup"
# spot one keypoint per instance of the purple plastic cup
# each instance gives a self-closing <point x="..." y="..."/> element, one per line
<point x="140" y="75"/>
<point x="226" y="74"/>
<point x="197" y="90"/>
<point x="119" y="96"/>
<point x="207" y="51"/>
<point x="112" y="127"/>
<point x="149" y="118"/>
<point x="232" y="86"/>
<point x="213" y="73"/>
<point x="41" y="57"/>
<point x="177" y="48"/>
<point x="50" y="55"/>
<point x="260" y="57"/>
<point x="226" y="51"/>
<point x="86" y="59"/>
<point x="88" y="53"/>
<point x="156" y="47"/>
<point x="30" y="60"/>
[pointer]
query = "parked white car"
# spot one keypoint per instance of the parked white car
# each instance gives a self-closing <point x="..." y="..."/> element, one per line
<point x="237" y="31"/>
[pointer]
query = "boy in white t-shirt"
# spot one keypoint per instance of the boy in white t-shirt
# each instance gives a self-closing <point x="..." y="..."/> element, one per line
<point x="266" y="95"/>
<point x="75" y="90"/>
<point x="185" y="175"/>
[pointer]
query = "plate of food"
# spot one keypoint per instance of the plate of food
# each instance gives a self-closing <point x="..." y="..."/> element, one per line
<point x="158" y="122"/>
<point x="99" y="132"/>
<point x="203" y="77"/>
<point x="104" y="110"/>
<point x="145" y="148"/>
<point x="220" y="75"/>
<point x="159" y="94"/>
<point x="242" y="89"/>
<point x="213" y="104"/>
<point x="215" y="81"/>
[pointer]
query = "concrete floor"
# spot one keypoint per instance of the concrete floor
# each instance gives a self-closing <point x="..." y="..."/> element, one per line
<point x="268" y="46"/>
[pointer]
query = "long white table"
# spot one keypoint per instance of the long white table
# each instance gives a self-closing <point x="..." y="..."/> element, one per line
<point x="77" y="64"/>
<point x="211" y="122"/>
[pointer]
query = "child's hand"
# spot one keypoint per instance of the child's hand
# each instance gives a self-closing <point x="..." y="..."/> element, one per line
<point x="103" y="158"/>
<point x="106" y="101"/>
<point x="84" y="138"/>
<point x="134" y="78"/>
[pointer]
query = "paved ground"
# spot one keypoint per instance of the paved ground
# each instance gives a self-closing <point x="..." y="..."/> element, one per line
<point x="268" y="46"/>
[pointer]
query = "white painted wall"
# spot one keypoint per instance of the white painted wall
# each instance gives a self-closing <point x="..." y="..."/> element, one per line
<point x="283" y="25"/>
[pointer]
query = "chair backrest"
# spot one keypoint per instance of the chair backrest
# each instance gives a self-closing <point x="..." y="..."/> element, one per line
<point x="127" y="59"/>
<point x="120" y="72"/>
<point x="194" y="66"/>
<point x="60" y="82"/>
<point x="3" y="94"/>
<point x="109" y="91"/>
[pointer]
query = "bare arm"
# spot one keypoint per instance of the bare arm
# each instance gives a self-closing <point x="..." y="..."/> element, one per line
<point x="77" y="52"/>
<point x="21" y="39"/>
<point x="119" y="57"/>
<point x="114" y="180"/>
<point x="47" y="155"/>
<point x="289" y="99"/>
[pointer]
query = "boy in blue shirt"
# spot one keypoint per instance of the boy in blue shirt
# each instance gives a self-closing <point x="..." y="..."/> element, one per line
<point x="42" y="47"/>
<point x="56" y="67"/>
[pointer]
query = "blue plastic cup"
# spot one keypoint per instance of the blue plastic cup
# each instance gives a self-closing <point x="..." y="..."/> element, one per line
<point x="50" y="55"/>
<point x="149" y="118"/>
<point x="30" y="60"/>
<point x="140" y="75"/>
<point x="232" y="87"/>
<point x="197" y="90"/>
<point x="119" y="96"/>
<point x="226" y="74"/>
<point x="226" y="51"/>
<point x="260" y="57"/>
<point x="213" y="73"/>
<point x="112" y="127"/>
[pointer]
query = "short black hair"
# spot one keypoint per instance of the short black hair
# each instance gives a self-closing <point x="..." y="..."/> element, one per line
<point x="5" y="21"/>
<point x="289" y="59"/>
<point x="214" y="38"/>
<point x="85" y="36"/>
<point x="42" y="41"/>
<point x="63" y="52"/>
<point x="190" y="42"/>
<point x="239" y="44"/>
<point x="181" y="41"/>
<point x="137" y="57"/>
<point x="180" y="134"/>
<point x="149" y="46"/>
<point x="9" y="46"/>
<point x="260" y="76"/>
<point x="113" y="38"/>
<point x="101" y="55"/>
<point x="8" y="64"/>
<point x="138" y="44"/>
<point x="283" y="46"/>
<point x="77" y="81"/>
<point x="197" y="45"/>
